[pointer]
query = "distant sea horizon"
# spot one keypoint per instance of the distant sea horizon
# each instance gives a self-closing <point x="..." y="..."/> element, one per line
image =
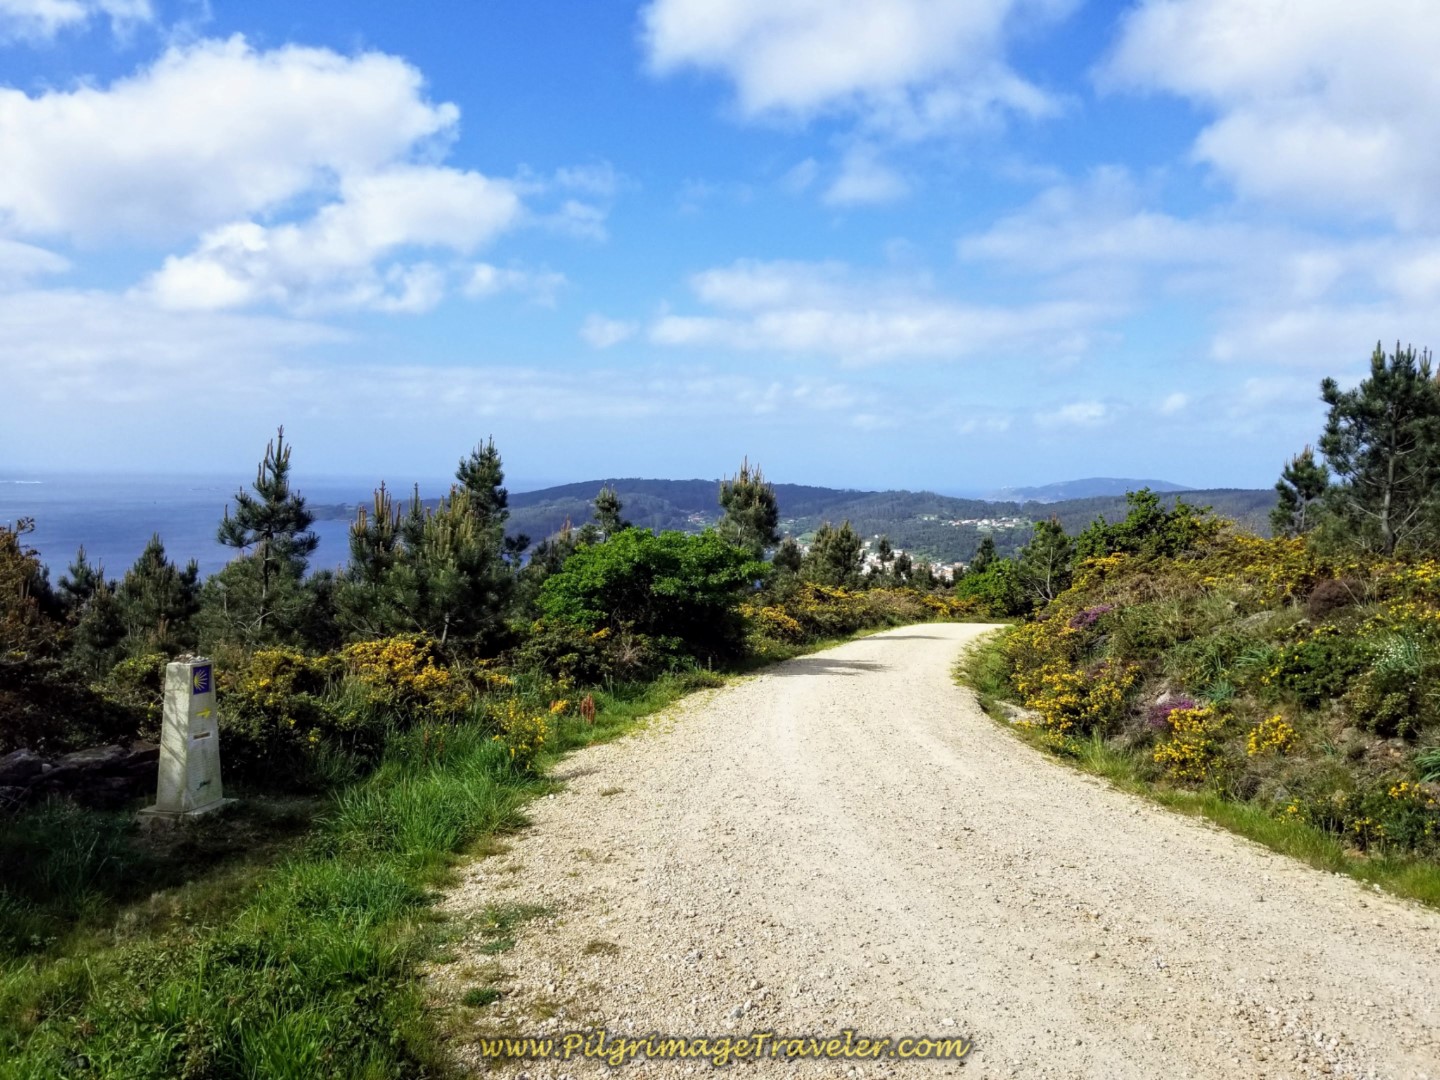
<point x="114" y="515"/>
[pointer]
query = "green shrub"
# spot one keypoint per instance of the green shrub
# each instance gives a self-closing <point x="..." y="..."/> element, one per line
<point x="1320" y="668"/>
<point x="1397" y="697"/>
<point x="681" y="592"/>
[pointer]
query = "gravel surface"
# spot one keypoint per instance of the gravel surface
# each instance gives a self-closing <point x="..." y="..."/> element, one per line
<point x="846" y="841"/>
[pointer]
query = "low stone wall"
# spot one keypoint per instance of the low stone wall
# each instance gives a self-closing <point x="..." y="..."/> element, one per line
<point x="104" y="777"/>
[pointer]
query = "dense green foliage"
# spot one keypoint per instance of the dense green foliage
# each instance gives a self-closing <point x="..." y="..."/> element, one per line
<point x="679" y="593"/>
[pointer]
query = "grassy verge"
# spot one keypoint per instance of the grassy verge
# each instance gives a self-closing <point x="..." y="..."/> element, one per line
<point x="278" y="940"/>
<point x="984" y="669"/>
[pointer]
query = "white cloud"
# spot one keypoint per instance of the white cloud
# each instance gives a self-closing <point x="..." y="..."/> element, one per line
<point x="66" y="349"/>
<point x="68" y="353"/>
<point x="911" y="66"/>
<point x="329" y="261"/>
<point x="41" y="20"/>
<point x="603" y="333"/>
<point x="823" y="309"/>
<point x="1174" y="403"/>
<point x="1324" y="103"/>
<point x="211" y="132"/>
<point x="1271" y="295"/>
<point x="1103" y="220"/>
<point x="1076" y="414"/>
<point x="312" y="181"/>
<point x="540" y="285"/>
<point x="21" y="262"/>
<point x="864" y="179"/>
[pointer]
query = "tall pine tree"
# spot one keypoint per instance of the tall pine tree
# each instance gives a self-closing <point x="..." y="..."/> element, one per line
<point x="1299" y="491"/>
<point x="93" y="612"/>
<point x="258" y="598"/>
<point x="1045" y="562"/>
<point x="441" y="571"/>
<point x="157" y="603"/>
<point x="834" y="557"/>
<point x="608" y="509"/>
<point x="1382" y="442"/>
<point x="750" y="511"/>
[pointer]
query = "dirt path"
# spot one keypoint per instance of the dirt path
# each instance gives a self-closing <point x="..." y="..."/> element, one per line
<point x="848" y="842"/>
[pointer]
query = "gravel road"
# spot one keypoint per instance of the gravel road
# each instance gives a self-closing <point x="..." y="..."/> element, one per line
<point x="846" y="841"/>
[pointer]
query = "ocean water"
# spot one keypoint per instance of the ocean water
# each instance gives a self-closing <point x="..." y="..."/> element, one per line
<point x="114" y="516"/>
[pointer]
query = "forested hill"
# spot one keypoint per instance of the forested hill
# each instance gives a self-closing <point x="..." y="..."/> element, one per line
<point x="938" y="527"/>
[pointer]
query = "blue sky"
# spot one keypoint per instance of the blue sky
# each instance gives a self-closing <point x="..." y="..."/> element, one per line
<point x="954" y="244"/>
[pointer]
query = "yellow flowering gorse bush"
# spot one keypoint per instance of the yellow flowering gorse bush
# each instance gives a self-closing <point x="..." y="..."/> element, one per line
<point x="1193" y="748"/>
<point x="402" y="673"/>
<point x="523" y="730"/>
<point x="1273" y="735"/>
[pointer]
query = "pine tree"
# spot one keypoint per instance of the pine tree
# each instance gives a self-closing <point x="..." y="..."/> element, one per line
<point x="985" y="554"/>
<point x="447" y="571"/>
<point x="1300" y="489"/>
<point x="454" y="584"/>
<point x="834" y="557"/>
<point x="93" y="612"/>
<point x="376" y="545"/>
<point x="375" y="538"/>
<point x="788" y="556"/>
<point x="1382" y="442"/>
<point x="78" y="585"/>
<point x="607" y="512"/>
<point x="1045" y="562"/>
<point x="483" y="476"/>
<point x="157" y="603"/>
<point x="257" y="598"/>
<point x="750" y="513"/>
<point x="904" y="568"/>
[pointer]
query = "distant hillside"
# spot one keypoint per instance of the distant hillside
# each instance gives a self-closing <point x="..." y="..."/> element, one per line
<point x="937" y="527"/>
<point x="1090" y="488"/>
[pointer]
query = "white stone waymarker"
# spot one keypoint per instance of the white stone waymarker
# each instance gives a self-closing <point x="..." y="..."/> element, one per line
<point x="189" y="743"/>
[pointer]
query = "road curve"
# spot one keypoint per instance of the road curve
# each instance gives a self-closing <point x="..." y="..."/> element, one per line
<point x="846" y="841"/>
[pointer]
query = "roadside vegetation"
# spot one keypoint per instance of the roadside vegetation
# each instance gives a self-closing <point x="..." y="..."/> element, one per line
<point x="380" y="724"/>
<point x="1287" y="688"/>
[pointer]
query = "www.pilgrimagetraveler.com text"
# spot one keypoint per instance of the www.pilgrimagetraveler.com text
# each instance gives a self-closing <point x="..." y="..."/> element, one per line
<point x="720" y="1050"/>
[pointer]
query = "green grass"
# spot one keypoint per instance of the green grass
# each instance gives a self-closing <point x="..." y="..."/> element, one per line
<point x="984" y="670"/>
<point x="243" y="945"/>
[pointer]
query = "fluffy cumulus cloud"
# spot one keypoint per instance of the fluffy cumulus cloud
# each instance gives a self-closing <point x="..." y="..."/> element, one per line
<point x="907" y="63"/>
<point x="826" y="310"/>
<point x="334" y="259"/>
<point x="208" y="133"/>
<point x="301" y="178"/>
<point x="1328" y="103"/>
<point x="40" y="20"/>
